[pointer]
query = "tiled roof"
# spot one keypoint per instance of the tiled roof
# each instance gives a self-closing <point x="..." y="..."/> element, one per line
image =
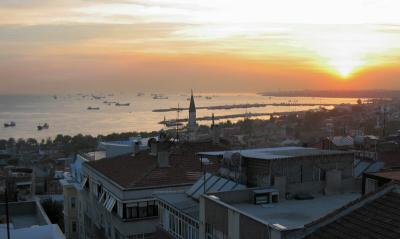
<point x="389" y="174"/>
<point x="379" y="219"/>
<point x="142" y="170"/>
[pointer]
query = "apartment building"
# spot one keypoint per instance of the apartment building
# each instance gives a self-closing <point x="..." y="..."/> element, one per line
<point x="72" y="186"/>
<point x="291" y="170"/>
<point x="287" y="180"/>
<point x="117" y="193"/>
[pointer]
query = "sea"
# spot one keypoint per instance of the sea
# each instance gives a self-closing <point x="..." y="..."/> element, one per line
<point x="69" y="114"/>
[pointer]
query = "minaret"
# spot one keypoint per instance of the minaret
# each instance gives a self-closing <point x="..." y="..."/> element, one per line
<point x="192" y="113"/>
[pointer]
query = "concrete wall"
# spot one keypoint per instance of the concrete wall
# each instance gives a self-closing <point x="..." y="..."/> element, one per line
<point x="251" y="229"/>
<point x="301" y="175"/>
<point x="216" y="215"/>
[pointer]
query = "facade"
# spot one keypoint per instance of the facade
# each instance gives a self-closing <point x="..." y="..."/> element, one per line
<point x="292" y="170"/>
<point x="71" y="184"/>
<point x="179" y="211"/>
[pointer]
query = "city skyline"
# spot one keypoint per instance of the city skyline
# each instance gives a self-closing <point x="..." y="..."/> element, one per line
<point x="174" y="45"/>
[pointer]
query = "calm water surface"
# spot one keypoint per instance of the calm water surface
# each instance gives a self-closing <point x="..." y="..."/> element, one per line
<point x="68" y="114"/>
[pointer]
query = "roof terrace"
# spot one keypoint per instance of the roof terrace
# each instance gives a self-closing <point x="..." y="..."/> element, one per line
<point x="287" y="214"/>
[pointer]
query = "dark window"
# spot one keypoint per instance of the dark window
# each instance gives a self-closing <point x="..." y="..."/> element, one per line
<point x="73" y="226"/>
<point x="73" y="201"/>
<point x="142" y="209"/>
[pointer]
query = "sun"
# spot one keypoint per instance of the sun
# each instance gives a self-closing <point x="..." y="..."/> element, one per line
<point x="345" y="67"/>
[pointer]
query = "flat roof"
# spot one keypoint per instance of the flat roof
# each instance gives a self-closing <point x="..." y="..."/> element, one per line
<point x="276" y="153"/>
<point x="293" y="214"/>
<point x="181" y="201"/>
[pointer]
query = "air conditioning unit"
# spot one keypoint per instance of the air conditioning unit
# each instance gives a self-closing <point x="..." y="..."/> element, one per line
<point x="266" y="196"/>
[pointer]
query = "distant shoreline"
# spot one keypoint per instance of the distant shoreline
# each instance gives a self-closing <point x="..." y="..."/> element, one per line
<point x="335" y="93"/>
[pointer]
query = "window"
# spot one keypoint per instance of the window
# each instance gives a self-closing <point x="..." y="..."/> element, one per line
<point x="152" y="209"/>
<point x="370" y="185"/>
<point x="108" y="230"/>
<point x="73" y="202"/>
<point x="141" y="209"/>
<point x="73" y="226"/>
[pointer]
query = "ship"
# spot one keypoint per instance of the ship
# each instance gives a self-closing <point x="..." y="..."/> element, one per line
<point x="122" y="104"/>
<point x="44" y="126"/>
<point x="93" y="108"/>
<point x="10" y="124"/>
<point x="159" y="97"/>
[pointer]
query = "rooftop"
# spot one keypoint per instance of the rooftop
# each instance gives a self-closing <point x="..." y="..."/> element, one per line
<point x="95" y="155"/>
<point x="277" y="153"/>
<point x="182" y="202"/>
<point x="24" y="214"/>
<point x="142" y="169"/>
<point x="187" y="202"/>
<point x="389" y="174"/>
<point x="377" y="218"/>
<point x="284" y="215"/>
<point x="291" y="214"/>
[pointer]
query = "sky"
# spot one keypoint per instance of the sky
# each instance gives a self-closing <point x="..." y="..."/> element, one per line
<point x="56" y="46"/>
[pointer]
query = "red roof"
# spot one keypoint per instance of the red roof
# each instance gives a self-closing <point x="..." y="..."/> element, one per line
<point x="389" y="174"/>
<point x="142" y="170"/>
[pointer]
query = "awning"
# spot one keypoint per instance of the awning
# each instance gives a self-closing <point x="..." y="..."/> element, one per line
<point x="102" y="196"/>
<point x="110" y="204"/>
<point x="84" y="182"/>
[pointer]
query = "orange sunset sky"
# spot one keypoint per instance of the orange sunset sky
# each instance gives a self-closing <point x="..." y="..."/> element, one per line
<point x="209" y="45"/>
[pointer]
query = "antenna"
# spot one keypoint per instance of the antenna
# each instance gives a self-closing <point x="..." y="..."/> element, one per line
<point x="177" y="122"/>
<point x="384" y="121"/>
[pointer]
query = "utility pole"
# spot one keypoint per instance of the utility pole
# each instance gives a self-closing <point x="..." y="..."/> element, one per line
<point x="7" y="214"/>
<point x="384" y="122"/>
<point x="177" y="124"/>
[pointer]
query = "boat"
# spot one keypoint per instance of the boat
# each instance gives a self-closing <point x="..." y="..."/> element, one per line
<point x="10" y="124"/>
<point x="120" y="104"/>
<point x="208" y="97"/>
<point x="93" y="108"/>
<point x="140" y="94"/>
<point x="44" y="126"/>
<point x="159" y="97"/>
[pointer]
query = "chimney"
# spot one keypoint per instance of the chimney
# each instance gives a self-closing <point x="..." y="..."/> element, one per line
<point x="163" y="154"/>
<point x="152" y="144"/>
<point x="163" y="159"/>
<point x="136" y="148"/>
